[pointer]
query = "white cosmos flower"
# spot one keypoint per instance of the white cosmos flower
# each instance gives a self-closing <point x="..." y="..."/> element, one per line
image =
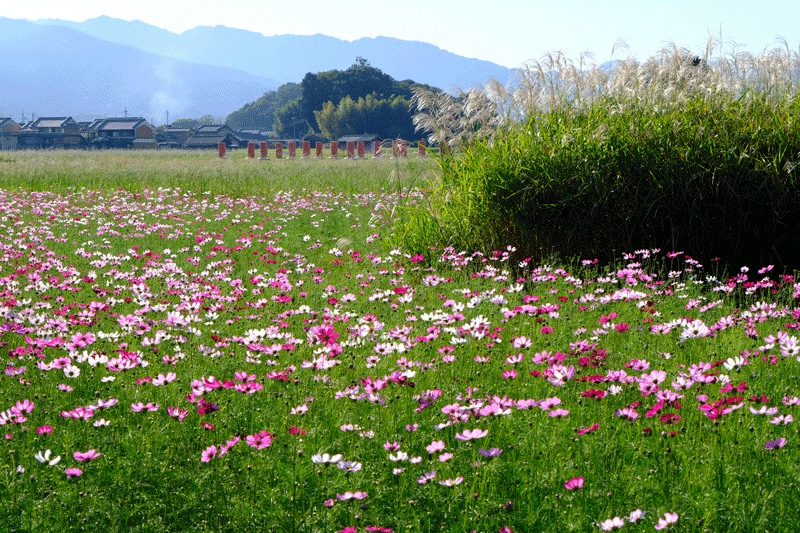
<point x="46" y="458"/>
<point x="72" y="371"/>
<point x="326" y="458"/>
<point x="733" y="362"/>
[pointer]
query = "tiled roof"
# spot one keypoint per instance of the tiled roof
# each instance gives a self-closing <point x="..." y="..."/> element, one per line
<point x="356" y="138"/>
<point x="50" y="122"/>
<point x="120" y="125"/>
<point x="205" y="140"/>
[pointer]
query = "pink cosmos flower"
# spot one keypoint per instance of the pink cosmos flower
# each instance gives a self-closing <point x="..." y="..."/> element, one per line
<point x="558" y="413"/>
<point x="435" y="446"/>
<point x="779" y="443"/>
<point x="73" y="472"/>
<point x="445" y="457"/>
<point x="208" y="454"/>
<point x="491" y="452"/>
<point x="44" y="430"/>
<point x="259" y="440"/>
<point x="451" y="482"/>
<point x="470" y="434"/>
<point x="161" y="379"/>
<point x="612" y="524"/>
<point x="139" y="406"/>
<point x="25" y="406"/>
<point x="353" y="495"/>
<point x="179" y="413"/>
<point x="627" y="413"/>
<point x="667" y="520"/>
<point x="86" y="456"/>
<point x="782" y="419"/>
<point x="427" y="476"/>
<point x="574" y="483"/>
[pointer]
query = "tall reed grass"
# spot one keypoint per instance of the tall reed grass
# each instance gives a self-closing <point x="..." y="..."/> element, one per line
<point x="677" y="151"/>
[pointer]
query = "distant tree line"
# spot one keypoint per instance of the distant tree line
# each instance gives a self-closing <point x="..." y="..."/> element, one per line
<point x="361" y="99"/>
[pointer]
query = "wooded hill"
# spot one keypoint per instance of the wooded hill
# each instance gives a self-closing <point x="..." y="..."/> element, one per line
<point x="361" y="99"/>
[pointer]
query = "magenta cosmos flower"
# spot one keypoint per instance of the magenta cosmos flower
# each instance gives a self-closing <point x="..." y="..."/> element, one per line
<point x="574" y="483"/>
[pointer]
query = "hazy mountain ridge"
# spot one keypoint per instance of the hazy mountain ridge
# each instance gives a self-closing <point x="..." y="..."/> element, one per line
<point x="57" y="71"/>
<point x="288" y="58"/>
<point x="103" y="66"/>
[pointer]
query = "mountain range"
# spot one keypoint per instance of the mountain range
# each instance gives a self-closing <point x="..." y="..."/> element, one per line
<point x="105" y="66"/>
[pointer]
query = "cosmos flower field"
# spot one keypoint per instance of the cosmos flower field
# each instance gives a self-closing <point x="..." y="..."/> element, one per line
<point x="176" y="360"/>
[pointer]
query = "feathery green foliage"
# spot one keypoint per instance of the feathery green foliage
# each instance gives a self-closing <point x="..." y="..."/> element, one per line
<point x="676" y="152"/>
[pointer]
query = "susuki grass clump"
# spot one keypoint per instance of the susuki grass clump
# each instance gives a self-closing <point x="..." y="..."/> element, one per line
<point x="678" y="151"/>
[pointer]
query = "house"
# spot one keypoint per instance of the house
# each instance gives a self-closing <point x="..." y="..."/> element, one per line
<point x="214" y="129"/>
<point x="210" y="135"/>
<point x="51" y="132"/>
<point x="367" y="139"/>
<point x="179" y="135"/>
<point x="212" y="141"/>
<point x="9" y="134"/>
<point x="128" y="132"/>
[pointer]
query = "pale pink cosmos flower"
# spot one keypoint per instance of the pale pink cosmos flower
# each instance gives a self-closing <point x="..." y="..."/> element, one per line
<point x="470" y="434"/>
<point x="349" y="466"/>
<point x="612" y="524"/>
<point x="179" y="413"/>
<point x="427" y="476"/>
<point x="25" y="406"/>
<point x="521" y="342"/>
<point x="435" y="446"/>
<point x="139" y="406"/>
<point x="667" y="520"/>
<point x="558" y="413"/>
<point x="782" y="420"/>
<point x="73" y="472"/>
<point x="764" y="410"/>
<point x="445" y="457"/>
<point x="627" y="413"/>
<point x="451" y="482"/>
<point x="636" y="515"/>
<point x="161" y="379"/>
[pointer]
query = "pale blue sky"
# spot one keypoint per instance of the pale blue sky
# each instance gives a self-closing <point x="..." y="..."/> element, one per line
<point x="508" y="32"/>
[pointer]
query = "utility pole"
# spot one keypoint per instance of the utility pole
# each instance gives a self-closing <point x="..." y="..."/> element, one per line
<point x="126" y="112"/>
<point x="167" y="117"/>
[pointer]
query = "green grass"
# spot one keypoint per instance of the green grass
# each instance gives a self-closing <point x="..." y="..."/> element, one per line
<point x="202" y="170"/>
<point x="85" y="258"/>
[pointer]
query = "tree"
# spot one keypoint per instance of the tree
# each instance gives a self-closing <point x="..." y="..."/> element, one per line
<point x="358" y="81"/>
<point x="289" y="120"/>
<point x="387" y="118"/>
<point x="261" y="113"/>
